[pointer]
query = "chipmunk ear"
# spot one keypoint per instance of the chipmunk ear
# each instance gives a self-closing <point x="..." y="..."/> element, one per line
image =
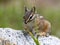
<point x="26" y="9"/>
<point x="33" y="9"/>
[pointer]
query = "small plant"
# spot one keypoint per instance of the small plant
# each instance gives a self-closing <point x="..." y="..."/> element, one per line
<point x="35" y="39"/>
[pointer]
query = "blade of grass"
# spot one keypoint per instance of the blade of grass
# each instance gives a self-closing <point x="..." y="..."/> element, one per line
<point x="35" y="39"/>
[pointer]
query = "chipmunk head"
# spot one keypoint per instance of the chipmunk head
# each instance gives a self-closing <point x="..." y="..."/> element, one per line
<point x="29" y="15"/>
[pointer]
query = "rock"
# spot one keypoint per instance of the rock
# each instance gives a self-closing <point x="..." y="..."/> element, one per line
<point x="51" y="40"/>
<point x="10" y="36"/>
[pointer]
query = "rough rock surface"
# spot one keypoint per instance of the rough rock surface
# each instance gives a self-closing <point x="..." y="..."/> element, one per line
<point x="10" y="36"/>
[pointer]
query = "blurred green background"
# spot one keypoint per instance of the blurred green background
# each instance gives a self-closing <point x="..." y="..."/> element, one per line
<point x="12" y="11"/>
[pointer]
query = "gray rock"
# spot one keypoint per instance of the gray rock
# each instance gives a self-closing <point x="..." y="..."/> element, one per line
<point x="10" y="36"/>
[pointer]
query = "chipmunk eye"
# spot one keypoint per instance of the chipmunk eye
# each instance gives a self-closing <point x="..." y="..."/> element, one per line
<point x="30" y="17"/>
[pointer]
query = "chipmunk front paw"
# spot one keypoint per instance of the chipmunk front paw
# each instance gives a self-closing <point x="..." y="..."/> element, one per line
<point x="42" y="34"/>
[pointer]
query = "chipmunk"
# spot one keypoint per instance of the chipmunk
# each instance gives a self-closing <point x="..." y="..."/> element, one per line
<point x="35" y="23"/>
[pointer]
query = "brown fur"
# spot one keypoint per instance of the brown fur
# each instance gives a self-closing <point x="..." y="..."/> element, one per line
<point x="44" y="26"/>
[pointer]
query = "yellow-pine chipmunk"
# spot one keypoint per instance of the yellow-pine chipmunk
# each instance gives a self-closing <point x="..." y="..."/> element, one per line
<point x="35" y="23"/>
